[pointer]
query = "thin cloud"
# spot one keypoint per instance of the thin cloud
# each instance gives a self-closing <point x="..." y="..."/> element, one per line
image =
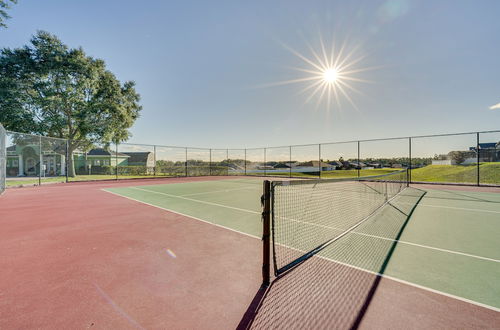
<point x="496" y="106"/>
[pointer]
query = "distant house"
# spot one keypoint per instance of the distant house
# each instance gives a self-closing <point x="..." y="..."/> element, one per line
<point x="316" y="164"/>
<point x="281" y="166"/>
<point x="24" y="160"/>
<point x="356" y="165"/>
<point x="141" y="158"/>
<point x="374" y="165"/>
<point x="100" y="157"/>
<point x="397" y="166"/>
<point x="488" y="152"/>
<point x="337" y="164"/>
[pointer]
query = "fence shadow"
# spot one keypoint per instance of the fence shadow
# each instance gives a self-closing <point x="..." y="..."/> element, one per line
<point x="335" y="288"/>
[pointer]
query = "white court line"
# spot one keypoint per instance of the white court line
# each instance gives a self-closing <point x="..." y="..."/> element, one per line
<point x="179" y="213"/>
<point x="326" y="227"/>
<point x="427" y="247"/>
<point x="218" y="191"/>
<point x="472" y="302"/>
<point x="449" y="295"/>
<point x="456" y="208"/>
<point x="196" y="200"/>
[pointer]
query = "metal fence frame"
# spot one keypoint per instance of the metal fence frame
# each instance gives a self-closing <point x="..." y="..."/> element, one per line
<point x="209" y="167"/>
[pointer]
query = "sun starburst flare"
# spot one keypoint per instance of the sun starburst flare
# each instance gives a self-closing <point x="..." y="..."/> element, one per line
<point x="329" y="73"/>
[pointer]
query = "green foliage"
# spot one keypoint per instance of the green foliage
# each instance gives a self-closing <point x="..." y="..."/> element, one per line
<point x="49" y="89"/>
<point x="460" y="156"/>
<point x="4" y="5"/>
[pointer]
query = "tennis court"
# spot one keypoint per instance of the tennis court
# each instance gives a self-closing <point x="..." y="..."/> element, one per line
<point x="187" y="253"/>
<point x="447" y="243"/>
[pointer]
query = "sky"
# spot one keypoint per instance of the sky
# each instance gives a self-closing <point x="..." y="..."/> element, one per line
<point x="214" y="73"/>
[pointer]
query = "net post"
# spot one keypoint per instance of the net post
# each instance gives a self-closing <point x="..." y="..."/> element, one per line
<point x="477" y="148"/>
<point x="210" y="164"/>
<point x="290" y="163"/>
<point x="245" y="161"/>
<point x="227" y="158"/>
<point x="266" y="233"/>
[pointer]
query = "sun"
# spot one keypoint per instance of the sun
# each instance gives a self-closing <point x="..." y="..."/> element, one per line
<point x="330" y="75"/>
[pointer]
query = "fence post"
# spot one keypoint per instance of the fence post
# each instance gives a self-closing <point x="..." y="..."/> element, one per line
<point x="319" y="164"/>
<point x="40" y="161"/>
<point x="265" y="170"/>
<point x="409" y="155"/>
<point x="186" y="163"/>
<point x="210" y="164"/>
<point x="245" y="161"/>
<point x="359" y="167"/>
<point x="116" y="158"/>
<point x="67" y="160"/>
<point x="154" y="157"/>
<point x="478" y="158"/>
<point x="290" y="163"/>
<point x="266" y="233"/>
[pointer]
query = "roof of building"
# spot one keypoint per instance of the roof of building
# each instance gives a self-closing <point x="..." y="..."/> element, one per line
<point x="104" y="152"/>
<point x="281" y="165"/>
<point x="138" y="157"/>
<point x="314" y="163"/>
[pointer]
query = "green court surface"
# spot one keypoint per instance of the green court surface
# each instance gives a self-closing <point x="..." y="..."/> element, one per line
<point x="442" y="240"/>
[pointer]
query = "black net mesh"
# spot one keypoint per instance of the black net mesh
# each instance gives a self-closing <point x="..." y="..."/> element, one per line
<point x="308" y="215"/>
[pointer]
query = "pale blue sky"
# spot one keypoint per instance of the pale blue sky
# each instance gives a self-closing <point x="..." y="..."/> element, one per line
<point x="202" y="67"/>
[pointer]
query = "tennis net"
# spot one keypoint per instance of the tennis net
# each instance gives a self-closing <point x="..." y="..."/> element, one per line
<point x="308" y="215"/>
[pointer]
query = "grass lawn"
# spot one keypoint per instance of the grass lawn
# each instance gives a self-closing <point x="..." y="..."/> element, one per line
<point x="488" y="173"/>
<point x="333" y="174"/>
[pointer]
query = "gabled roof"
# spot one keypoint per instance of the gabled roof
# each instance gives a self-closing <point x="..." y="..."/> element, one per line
<point x="137" y="157"/>
<point x="104" y="152"/>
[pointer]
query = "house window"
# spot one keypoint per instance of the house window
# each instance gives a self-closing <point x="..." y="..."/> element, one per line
<point x="15" y="163"/>
<point x="97" y="162"/>
<point x="105" y="162"/>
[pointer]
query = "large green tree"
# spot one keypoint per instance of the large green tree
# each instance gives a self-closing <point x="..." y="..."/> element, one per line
<point x="4" y="5"/>
<point x="50" y="89"/>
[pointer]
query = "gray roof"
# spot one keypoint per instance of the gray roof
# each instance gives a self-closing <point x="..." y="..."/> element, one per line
<point x="104" y="152"/>
<point x="137" y="157"/>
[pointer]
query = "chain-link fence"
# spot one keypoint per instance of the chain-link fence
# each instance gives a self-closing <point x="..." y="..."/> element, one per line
<point x="462" y="158"/>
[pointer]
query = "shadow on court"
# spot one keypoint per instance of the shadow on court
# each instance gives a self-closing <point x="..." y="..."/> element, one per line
<point x="335" y="288"/>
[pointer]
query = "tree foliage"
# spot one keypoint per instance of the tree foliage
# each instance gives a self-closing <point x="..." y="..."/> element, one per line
<point x="459" y="156"/>
<point x="4" y="5"/>
<point x="50" y="89"/>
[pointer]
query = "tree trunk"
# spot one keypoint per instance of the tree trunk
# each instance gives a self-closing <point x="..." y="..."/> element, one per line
<point x="71" y="161"/>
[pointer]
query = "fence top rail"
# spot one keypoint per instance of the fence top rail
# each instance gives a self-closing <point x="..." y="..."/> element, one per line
<point x="283" y="146"/>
